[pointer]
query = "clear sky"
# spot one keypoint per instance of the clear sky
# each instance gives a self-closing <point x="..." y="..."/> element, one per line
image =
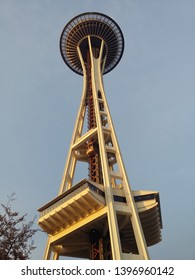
<point x="151" y="95"/>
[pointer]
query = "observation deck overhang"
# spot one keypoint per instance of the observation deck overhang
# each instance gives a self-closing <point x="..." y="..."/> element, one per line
<point x="87" y="198"/>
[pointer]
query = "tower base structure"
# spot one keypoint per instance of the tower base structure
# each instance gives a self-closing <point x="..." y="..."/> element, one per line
<point x="101" y="217"/>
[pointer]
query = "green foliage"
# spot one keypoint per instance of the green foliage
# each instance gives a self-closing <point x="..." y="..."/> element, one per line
<point x="16" y="242"/>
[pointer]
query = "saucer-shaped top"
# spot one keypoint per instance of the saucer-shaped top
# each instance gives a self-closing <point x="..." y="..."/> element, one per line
<point x="95" y="25"/>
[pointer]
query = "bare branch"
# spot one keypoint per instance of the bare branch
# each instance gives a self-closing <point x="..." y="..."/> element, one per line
<point x="16" y="235"/>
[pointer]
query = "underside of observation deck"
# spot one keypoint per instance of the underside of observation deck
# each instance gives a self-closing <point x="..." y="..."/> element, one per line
<point x="69" y="211"/>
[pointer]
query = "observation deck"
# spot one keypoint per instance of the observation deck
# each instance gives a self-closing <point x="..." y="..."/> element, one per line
<point x="96" y="25"/>
<point x="85" y="199"/>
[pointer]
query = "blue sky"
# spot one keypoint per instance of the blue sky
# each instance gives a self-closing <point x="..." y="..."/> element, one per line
<point x="151" y="95"/>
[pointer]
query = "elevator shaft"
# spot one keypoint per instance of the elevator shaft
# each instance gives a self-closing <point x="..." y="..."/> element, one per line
<point x="92" y="147"/>
<point x="98" y="251"/>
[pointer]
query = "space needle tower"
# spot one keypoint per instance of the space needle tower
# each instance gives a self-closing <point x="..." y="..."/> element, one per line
<point x="99" y="217"/>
